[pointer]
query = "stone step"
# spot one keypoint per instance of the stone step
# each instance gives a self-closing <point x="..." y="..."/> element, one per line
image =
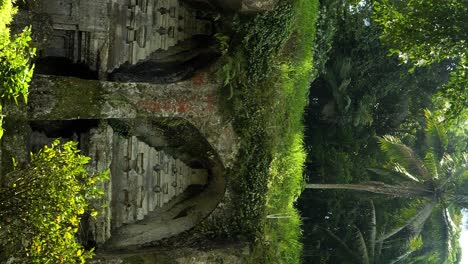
<point x="145" y="179"/>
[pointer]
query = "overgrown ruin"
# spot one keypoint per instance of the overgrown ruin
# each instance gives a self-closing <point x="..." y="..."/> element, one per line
<point x="133" y="81"/>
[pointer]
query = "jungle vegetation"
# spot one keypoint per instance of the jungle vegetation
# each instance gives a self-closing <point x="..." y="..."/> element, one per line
<point x="388" y="107"/>
<point x="363" y="104"/>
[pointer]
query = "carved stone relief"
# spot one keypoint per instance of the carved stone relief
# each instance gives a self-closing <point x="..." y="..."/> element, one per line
<point x="108" y="34"/>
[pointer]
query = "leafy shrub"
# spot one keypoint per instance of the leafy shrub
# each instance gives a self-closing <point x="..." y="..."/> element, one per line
<point x="41" y="205"/>
<point x="15" y="59"/>
<point x="15" y="69"/>
<point x="263" y="38"/>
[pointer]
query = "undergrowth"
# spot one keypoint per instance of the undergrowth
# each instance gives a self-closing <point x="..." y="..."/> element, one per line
<point x="266" y="80"/>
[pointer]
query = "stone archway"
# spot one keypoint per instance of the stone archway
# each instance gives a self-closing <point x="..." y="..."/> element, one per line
<point x="161" y="183"/>
<point x="166" y="145"/>
<point x="158" y="188"/>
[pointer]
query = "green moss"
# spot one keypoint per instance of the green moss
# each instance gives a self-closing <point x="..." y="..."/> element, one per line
<point x="76" y="98"/>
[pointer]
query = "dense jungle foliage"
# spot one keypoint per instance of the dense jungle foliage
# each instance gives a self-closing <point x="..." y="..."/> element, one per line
<point x="386" y="64"/>
<point x="361" y="91"/>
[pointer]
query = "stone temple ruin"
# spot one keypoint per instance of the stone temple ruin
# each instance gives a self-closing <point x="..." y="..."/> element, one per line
<point x="148" y="112"/>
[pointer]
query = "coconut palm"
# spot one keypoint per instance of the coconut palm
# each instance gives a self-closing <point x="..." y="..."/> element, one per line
<point x="439" y="179"/>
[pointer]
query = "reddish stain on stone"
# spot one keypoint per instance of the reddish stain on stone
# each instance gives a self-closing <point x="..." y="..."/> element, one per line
<point x="199" y="78"/>
<point x="182" y="107"/>
<point x="165" y="106"/>
<point x="153" y="106"/>
<point x="211" y="100"/>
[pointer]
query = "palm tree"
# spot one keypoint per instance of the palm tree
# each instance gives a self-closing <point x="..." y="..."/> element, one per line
<point x="439" y="179"/>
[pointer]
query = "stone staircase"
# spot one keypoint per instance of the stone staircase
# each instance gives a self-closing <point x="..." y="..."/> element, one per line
<point x="143" y="180"/>
<point x="145" y="26"/>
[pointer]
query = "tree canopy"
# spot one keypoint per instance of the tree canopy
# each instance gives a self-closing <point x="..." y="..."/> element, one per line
<point x="425" y="32"/>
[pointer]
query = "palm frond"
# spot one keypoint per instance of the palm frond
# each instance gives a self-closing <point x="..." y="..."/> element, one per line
<point x="451" y="229"/>
<point x="460" y="200"/>
<point x="400" y="169"/>
<point x="447" y="165"/>
<point x="361" y="243"/>
<point x="441" y="233"/>
<point x="413" y="244"/>
<point x="379" y="243"/>
<point x="415" y="224"/>
<point x="343" y="245"/>
<point x="432" y="164"/>
<point x="403" y="155"/>
<point x="436" y="135"/>
<point x="402" y="257"/>
<point x="393" y="174"/>
<point x="457" y="174"/>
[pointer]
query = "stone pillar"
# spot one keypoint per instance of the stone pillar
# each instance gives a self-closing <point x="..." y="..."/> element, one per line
<point x="65" y="98"/>
<point x="100" y="152"/>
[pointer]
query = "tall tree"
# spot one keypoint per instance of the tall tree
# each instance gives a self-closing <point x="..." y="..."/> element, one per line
<point x="423" y="32"/>
<point x="438" y="179"/>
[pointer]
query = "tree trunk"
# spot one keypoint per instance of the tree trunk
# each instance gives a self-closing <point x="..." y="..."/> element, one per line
<point x="377" y="187"/>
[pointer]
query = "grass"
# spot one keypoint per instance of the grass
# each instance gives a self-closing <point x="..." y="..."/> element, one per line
<point x="267" y="77"/>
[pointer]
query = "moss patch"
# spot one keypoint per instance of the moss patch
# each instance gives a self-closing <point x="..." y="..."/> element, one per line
<point x="76" y="96"/>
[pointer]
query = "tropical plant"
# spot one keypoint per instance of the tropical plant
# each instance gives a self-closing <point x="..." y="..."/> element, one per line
<point x="15" y="59"/>
<point x="438" y="179"/>
<point x="41" y="205"/>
